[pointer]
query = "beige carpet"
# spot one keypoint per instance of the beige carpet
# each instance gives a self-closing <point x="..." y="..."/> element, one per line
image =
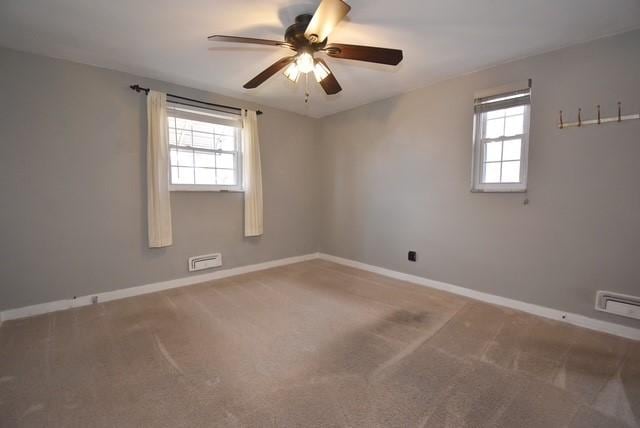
<point x="311" y="344"/>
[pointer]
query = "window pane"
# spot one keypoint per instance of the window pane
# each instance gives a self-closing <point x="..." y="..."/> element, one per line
<point x="205" y="176"/>
<point x="202" y="126"/>
<point x="514" y="110"/>
<point x="494" y="114"/>
<point x="514" y="125"/>
<point x="204" y="140"/>
<point x="183" y="158"/>
<point x="225" y="142"/>
<point x="182" y="123"/>
<point x="493" y="151"/>
<point x="205" y="159"/>
<point x="172" y="136"/>
<point x="181" y="175"/>
<point x="226" y="176"/>
<point x="491" y="173"/>
<point x="225" y="160"/>
<point x="183" y="138"/>
<point x="224" y="130"/>
<point x="494" y="128"/>
<point x="511" y="172"/>
<point x="511" y="150"/>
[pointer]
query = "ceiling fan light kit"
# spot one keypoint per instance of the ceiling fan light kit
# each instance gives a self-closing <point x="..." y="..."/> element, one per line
<point x="305" y="62"/>
<point x="295" y="69"/>
<point x="320" y="71"/>
<point x="292" y="72"/>
<point x="309" y="36"/>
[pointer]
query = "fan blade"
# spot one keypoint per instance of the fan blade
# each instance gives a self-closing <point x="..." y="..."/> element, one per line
<point x="329" y="83"/>
<point x="327" y="16"/>
<point x="365" y="53"/>
<point x="270" y="71"/>
<point x="234" y="39"/>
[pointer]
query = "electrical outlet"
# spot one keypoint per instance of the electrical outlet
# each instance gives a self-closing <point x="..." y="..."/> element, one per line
<point x="413" y="256"/>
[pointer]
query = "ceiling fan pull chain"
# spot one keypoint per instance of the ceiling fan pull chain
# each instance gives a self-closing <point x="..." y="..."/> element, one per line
<point x="306" y="88"/>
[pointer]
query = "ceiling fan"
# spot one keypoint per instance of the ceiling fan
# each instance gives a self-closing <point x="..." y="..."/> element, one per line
<point x="308" y="36"/>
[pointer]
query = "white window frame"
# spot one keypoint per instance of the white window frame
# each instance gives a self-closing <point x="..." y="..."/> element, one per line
<point x="204" y="115"/>
<point x="480" y="120"/>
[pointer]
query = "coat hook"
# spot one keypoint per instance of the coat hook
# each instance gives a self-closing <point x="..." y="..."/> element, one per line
<point x="598" y="114"/>
<point x="579" y="117"/>
<point x="619" y="111"/>
<point x="561" y="122"/>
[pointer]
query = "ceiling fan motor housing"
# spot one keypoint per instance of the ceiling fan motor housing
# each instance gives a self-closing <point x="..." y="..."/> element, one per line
<point x="294" y="35"/>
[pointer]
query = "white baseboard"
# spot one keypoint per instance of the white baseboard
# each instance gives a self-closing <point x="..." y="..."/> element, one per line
<point x="570" y="318"/>
<point x="60" y="305"/>
<point x="574" y="319"/>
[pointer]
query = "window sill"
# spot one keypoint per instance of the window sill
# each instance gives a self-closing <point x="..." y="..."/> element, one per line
<point x="202" y="188"/>
<point x="523" y="190"/>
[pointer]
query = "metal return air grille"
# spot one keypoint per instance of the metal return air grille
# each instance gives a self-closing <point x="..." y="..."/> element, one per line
<point x="618" y="304"/>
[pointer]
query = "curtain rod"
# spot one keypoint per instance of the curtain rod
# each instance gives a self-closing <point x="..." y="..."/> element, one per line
<point x="139" y="89"/>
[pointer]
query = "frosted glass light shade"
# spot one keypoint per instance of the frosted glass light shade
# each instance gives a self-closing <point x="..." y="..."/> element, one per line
<point x="292" y="72"/>
<point x="305" y="62"/>
<point x="320" y="71"/>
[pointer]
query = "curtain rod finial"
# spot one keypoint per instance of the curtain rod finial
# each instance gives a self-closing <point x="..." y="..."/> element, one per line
<point x="139" y="89"/>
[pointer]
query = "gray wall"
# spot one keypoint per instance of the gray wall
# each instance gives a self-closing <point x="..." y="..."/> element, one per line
<point x="72" y="180"/>
<point x="368" y="184"/>
<point x="396" y="177"/>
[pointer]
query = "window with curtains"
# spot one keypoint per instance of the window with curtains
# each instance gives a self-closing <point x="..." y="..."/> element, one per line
<point x="501" y="140"/>
<point x="205" y="149"/>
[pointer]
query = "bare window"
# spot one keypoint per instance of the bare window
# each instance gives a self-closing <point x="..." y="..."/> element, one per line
<point x="501" y="138"/>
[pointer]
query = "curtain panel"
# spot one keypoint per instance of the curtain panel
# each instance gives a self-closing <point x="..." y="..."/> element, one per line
<point x="158" y="199"/>
<point x="252" y="175"/>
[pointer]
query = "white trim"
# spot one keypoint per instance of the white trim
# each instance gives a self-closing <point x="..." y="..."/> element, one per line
<point x="478" y="156"/>
<point x="570" y="318"/>
<point x="205" y="188"/>
<point x="59" y="305"/>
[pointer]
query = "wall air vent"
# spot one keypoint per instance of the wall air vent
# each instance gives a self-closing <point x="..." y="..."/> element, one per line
<point x="205" y="261"/>
<point x="618" y="304"/>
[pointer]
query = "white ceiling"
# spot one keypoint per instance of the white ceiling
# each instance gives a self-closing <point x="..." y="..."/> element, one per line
<point x="167" y="40"/>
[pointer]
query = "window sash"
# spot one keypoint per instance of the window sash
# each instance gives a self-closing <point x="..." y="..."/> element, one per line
<point x="492" y="140"/>
<point x="204" y="150"/>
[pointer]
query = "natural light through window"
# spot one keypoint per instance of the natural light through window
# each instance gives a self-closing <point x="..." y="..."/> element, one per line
<point x="503" y="146"/>
<point x="204" y="151"/>
<point x="500" y="144"/>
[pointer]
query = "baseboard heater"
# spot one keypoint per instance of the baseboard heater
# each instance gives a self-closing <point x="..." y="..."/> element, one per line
<point x="205" y="261"/>
<point x="618" y="304"/>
